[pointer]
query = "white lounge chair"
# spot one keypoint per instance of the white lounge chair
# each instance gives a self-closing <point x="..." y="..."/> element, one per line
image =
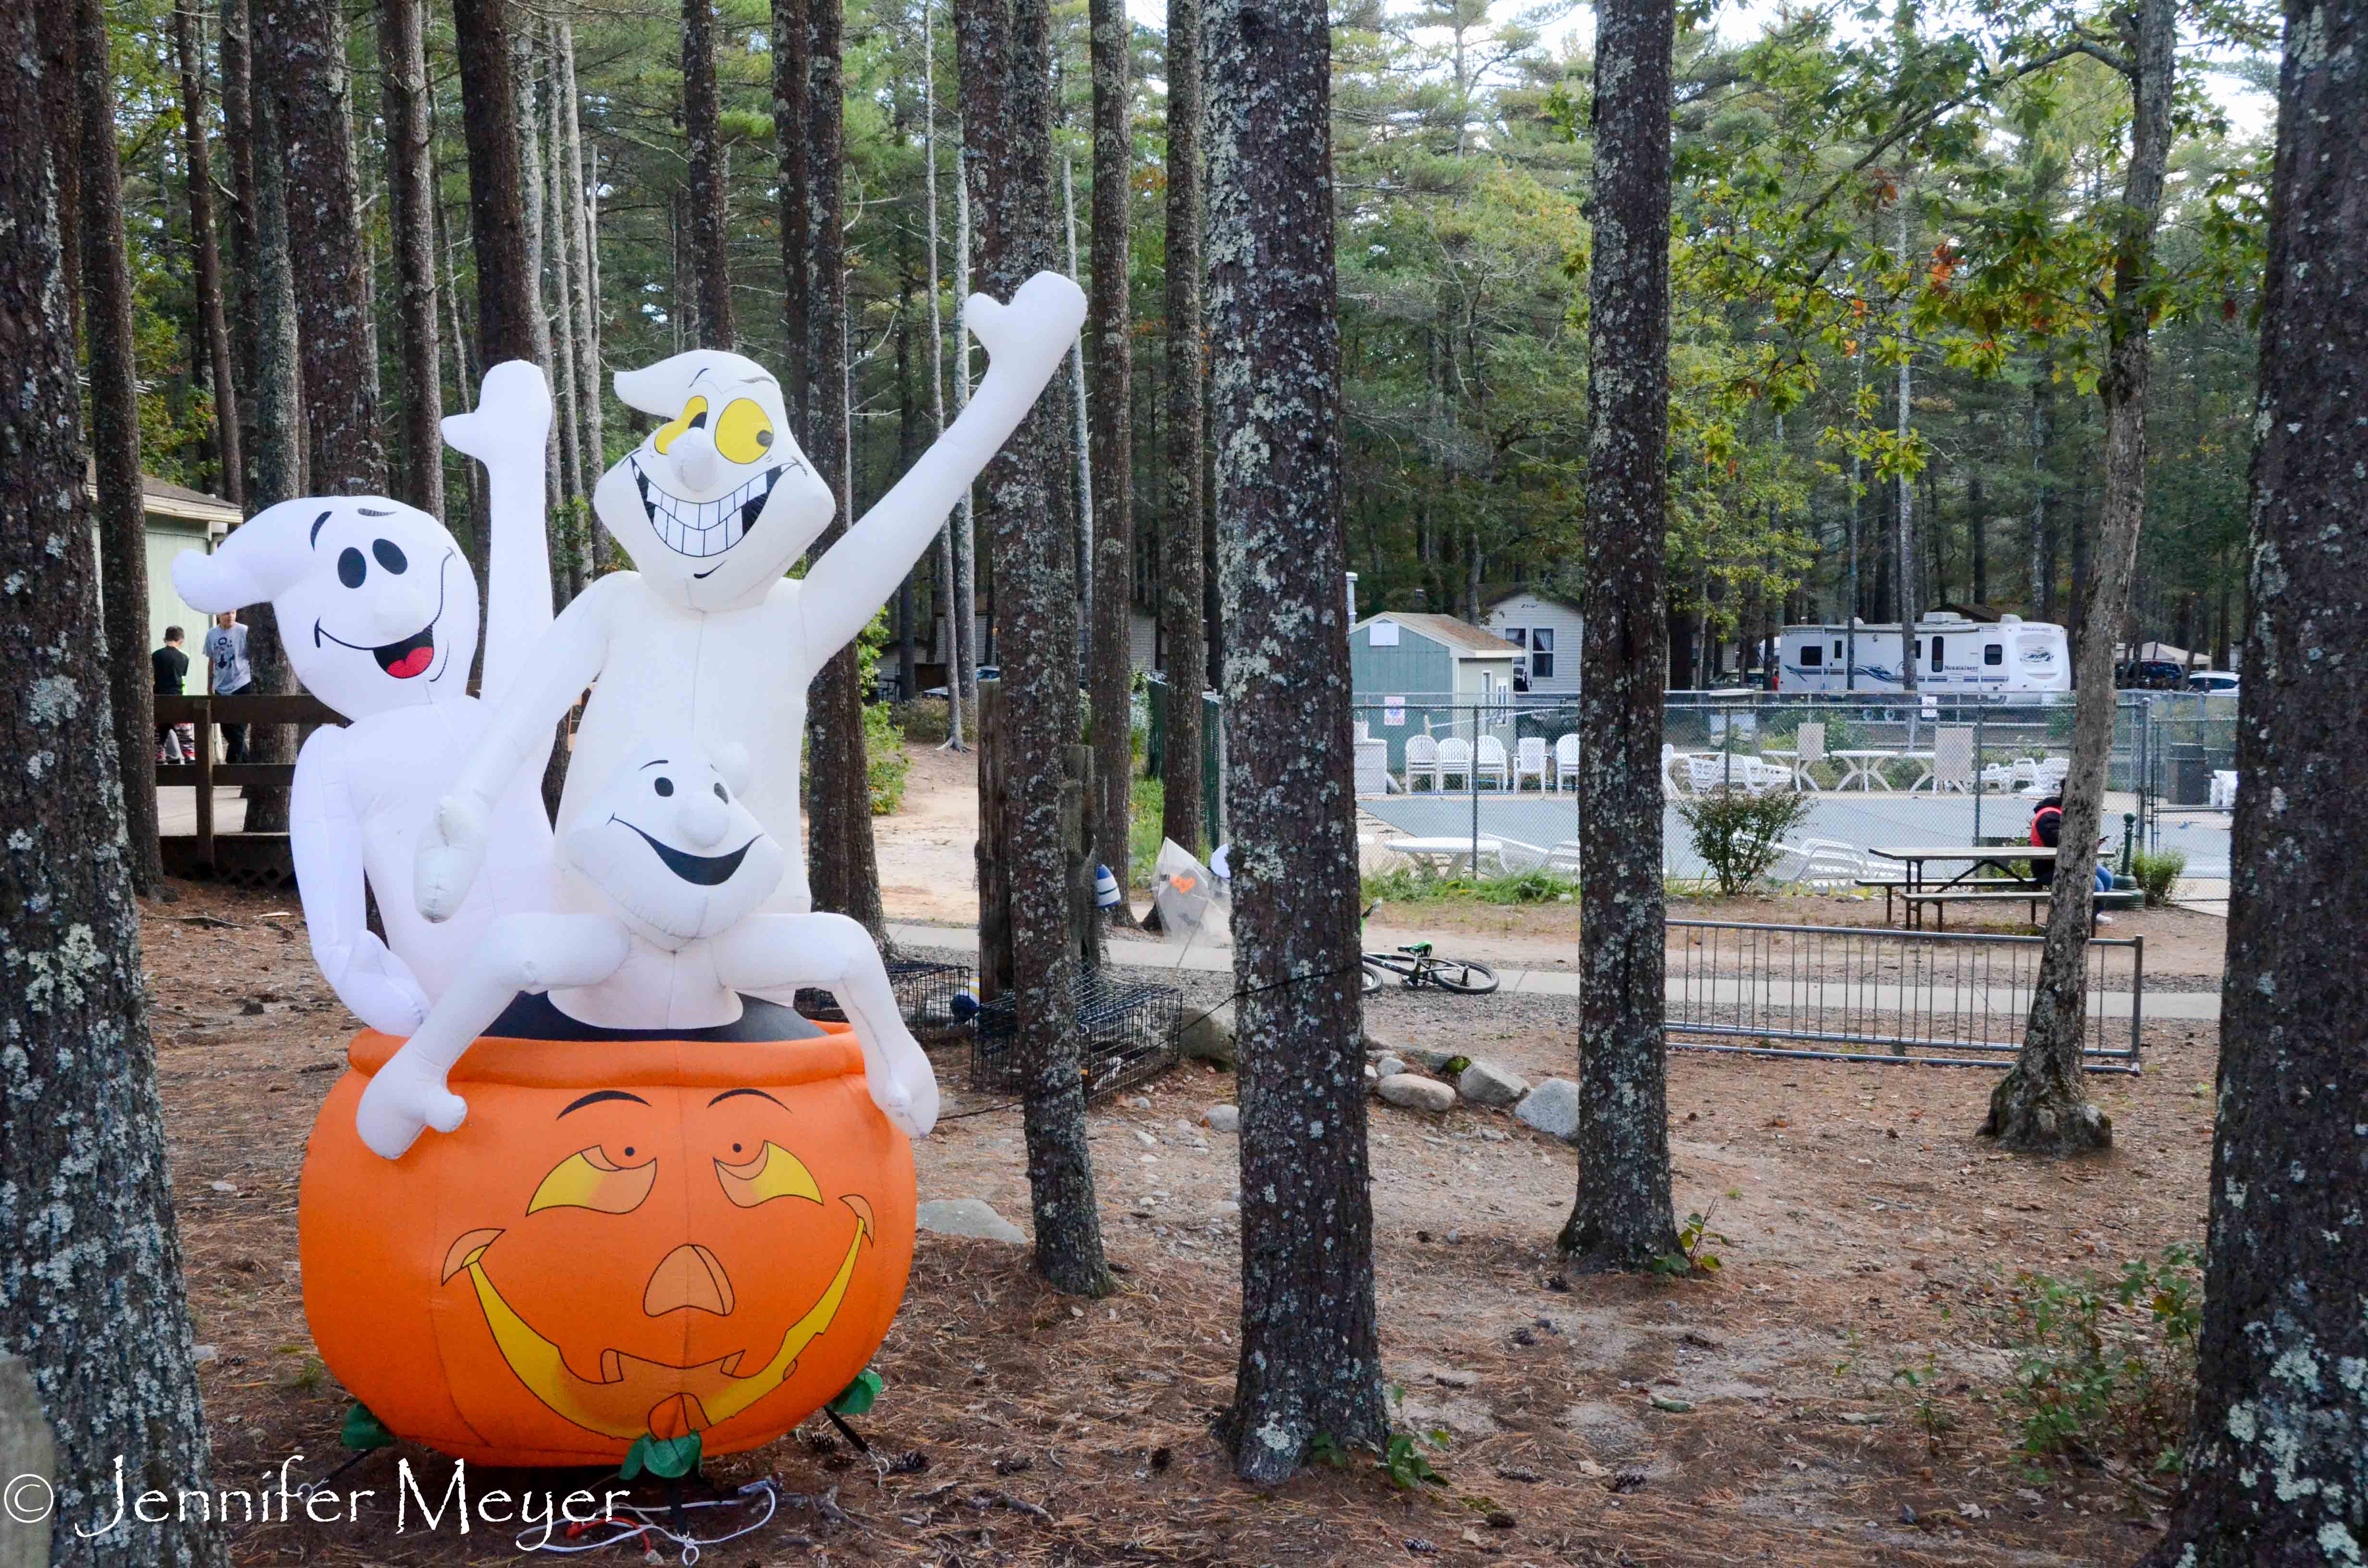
<point x="1529" y="762"/>
<point x="2224" y="787"/>
<point x="1489" y="762"/>
<point x="1455" y="761"/>
<point x="1421" y="761"/>
<point x="1566" y="761"/>
<point x="1563" y="859"/>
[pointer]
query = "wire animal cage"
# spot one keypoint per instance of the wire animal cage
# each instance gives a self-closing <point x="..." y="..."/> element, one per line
<point x="1126" y="1033"/>
<point x="936" y="999"/>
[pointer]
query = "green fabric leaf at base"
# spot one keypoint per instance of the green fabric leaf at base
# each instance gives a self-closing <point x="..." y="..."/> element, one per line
<point x="668" y="1458"/>
<point x="858" y="1397"/>
<point x="362" y="1431"/>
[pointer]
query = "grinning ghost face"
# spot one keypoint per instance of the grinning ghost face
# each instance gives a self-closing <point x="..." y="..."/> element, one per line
<point x="672" y="847"/>
<point x="376" y="604"/>
<point x="718" y="502"/>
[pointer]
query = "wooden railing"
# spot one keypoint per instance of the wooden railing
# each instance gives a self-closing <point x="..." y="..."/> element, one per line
<point x="205" y="773"/>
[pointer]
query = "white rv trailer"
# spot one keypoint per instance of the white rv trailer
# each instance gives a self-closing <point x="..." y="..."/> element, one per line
<point x="2008" y="657"/>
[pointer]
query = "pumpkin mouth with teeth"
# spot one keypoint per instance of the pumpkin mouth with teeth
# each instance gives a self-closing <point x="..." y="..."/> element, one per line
<point x="631" y="1396"/>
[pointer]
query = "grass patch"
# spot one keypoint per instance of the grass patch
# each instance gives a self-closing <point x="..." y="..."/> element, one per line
<point x="1146" y="809"/>
<point x="1407" y="886"/>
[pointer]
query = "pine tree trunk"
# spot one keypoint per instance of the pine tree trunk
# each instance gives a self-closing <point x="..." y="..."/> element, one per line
<point x="559" y="230"/>
<point x="949" y="571"/>
<point x="2276" y="1471"/>
<point x="2042" y="1105"/>
<point x="1623" y="1218"/>
<point x="92" y="1293"/>
<point x="213" y="322"/>
<point x="843" y="863"/>
<point x="1005" y="58"/>
<point x="303" y="66"/>
<point x="702" y="129"/>
<point x="1310" y="1358"/>
<point x="115" y="445"/>
<point x="1109" y="674"/>
<point x="1182" y="559"/>
<point x="966" y="577"/>
<point x="583" y="294"/>
<point x="489" y="117"/>
<point x="1904" y="573"/>
<point x="790" y="90"/>
<point x="402" y="62"/>
<point x="60" y="100"/>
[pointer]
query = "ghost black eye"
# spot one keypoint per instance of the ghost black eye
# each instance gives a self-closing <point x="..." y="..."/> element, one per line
<point x="351" y="567"/>
<point x="388" y="555"/>
<point x="663" y="786"/>
<point x="721" y="796"/>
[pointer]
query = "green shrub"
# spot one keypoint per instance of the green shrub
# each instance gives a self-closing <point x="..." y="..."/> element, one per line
<point x="2158" y="873"/>
<point x="2105" y="1367"/>
<point x="925" y="720"/>
<point x="1147" y="808"/>
<point x="1736" y="832"/>
<point x="1408" y="885"/>
<point x="884" y="762"/>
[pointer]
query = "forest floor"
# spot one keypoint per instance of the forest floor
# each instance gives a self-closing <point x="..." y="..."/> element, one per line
<point x="1756" y="1416"/>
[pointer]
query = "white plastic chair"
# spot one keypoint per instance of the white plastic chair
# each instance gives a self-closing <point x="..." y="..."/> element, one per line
<point x="1668" y="780"/>
<point x="2224" y="787"/>
<point x="1563" y="859"/>
<point x="1708" y="771"/>
<point x="1421" y="761"/>
<point x="1454" y="759"/>
<point x="1762" y="776"/>
<point x="1566" y="761"/>
<point x="1810" y="742"/>
<point x="1490" y="763"/>
<point x="1530" y="761"/>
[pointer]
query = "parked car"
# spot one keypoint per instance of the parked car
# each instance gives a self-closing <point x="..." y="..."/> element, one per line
<point x="2222" y="682"/>
<point x="2152" y="674"/>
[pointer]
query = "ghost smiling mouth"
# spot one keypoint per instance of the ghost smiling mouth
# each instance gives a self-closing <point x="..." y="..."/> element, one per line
<point x="702" y="528"/>
<point x="404" y="657"/>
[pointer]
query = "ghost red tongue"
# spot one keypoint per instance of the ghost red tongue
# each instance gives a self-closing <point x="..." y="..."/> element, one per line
<point x="411" y="663"/>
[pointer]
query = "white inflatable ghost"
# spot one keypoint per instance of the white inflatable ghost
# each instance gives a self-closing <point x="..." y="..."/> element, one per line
<point x="378" y="611"/>
<point x="669" y="867"/>
<point x="714" y="507"/>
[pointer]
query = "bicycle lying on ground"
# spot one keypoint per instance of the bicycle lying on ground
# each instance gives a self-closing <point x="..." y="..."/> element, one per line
<point x="1416" y="965"/>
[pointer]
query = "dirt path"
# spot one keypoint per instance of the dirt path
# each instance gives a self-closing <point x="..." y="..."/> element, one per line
<point x="1868" y="1231"/>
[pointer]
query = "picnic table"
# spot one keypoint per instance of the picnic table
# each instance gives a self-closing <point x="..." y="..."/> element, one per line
<point x="1919" y="890"/>
<point x="1866" y="768"/>
<point x="1436" y="855"/>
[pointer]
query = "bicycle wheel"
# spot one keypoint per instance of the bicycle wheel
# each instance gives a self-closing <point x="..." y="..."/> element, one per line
<point x="1372" y="980"/>
<point x="1463" y="976"/>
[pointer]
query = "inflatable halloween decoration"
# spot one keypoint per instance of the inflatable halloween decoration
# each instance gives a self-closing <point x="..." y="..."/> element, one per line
<point x="378" y="609"/>
<point x="652" y="1234"/>
<point x="666" y="869"/>
<point x="714" y="508"/>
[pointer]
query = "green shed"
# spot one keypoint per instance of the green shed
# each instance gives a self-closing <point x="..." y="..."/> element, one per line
<point x="1424" y="675"/>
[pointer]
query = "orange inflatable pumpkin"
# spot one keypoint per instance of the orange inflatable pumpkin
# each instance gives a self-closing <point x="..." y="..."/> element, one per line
<point x="628" y="1236"/>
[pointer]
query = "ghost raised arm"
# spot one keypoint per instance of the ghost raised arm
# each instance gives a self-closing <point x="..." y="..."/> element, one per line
<point x="1025" y="341"/>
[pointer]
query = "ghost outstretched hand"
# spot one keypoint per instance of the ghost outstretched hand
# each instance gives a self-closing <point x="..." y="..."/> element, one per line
<point x="1029" y="337"/>
<point x="378" y="986"/>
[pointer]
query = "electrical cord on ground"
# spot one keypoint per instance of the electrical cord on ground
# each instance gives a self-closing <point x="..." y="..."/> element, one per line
<point x="633" y="1523"/>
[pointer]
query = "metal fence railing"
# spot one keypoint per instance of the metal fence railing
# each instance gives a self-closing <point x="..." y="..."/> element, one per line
<point x="1868" y="993"/>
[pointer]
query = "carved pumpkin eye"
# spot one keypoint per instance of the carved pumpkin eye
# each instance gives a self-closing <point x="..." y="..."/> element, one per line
<point x="774" y="1173"/>
<point x="742" y="433"/>
<point x="694" y="413"/>
<point x="589" y="1180"/>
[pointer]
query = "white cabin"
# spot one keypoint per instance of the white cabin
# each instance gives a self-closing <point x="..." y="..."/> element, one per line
<point x="2009" y="656"/>
<point x="1546" y="628"/>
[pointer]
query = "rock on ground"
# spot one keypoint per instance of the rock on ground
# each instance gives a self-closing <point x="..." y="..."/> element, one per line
<point x="1415" y="1092"/>
<point x="1390" y="1066"/>
<point x="1552" y="1109"/>
<point x="1209" y="1039"/>
<point x="1486" y="1084"/>
<point x="966" y="1217"/>
<point x="1223" y="1118"/>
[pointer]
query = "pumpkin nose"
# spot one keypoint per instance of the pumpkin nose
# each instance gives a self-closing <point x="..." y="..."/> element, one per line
<point x="688" y="1277"/>
<point x="693" y="455"/>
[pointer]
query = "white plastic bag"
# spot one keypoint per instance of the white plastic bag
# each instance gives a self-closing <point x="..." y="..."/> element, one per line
<point x="1192" y="902"/>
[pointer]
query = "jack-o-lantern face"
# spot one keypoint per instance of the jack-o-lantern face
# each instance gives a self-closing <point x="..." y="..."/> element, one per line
<point x="671" y="1349"/>
<point x="628" y="1237"/>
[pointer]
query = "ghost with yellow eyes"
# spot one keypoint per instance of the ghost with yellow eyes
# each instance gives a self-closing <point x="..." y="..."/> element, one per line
<point x="667" y="870"/>
<point x="714" y="507"/>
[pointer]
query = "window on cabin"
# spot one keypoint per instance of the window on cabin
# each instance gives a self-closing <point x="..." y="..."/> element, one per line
<point x="1838" y="647"/>
<point x="1936" y="651"/>
<point x="1813" y="657"/>
<point x="1542" y="653"/>
<point x="1994" y="653"/>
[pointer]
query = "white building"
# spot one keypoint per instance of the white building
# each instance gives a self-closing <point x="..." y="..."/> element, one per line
<point x="1544" y="626"/>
